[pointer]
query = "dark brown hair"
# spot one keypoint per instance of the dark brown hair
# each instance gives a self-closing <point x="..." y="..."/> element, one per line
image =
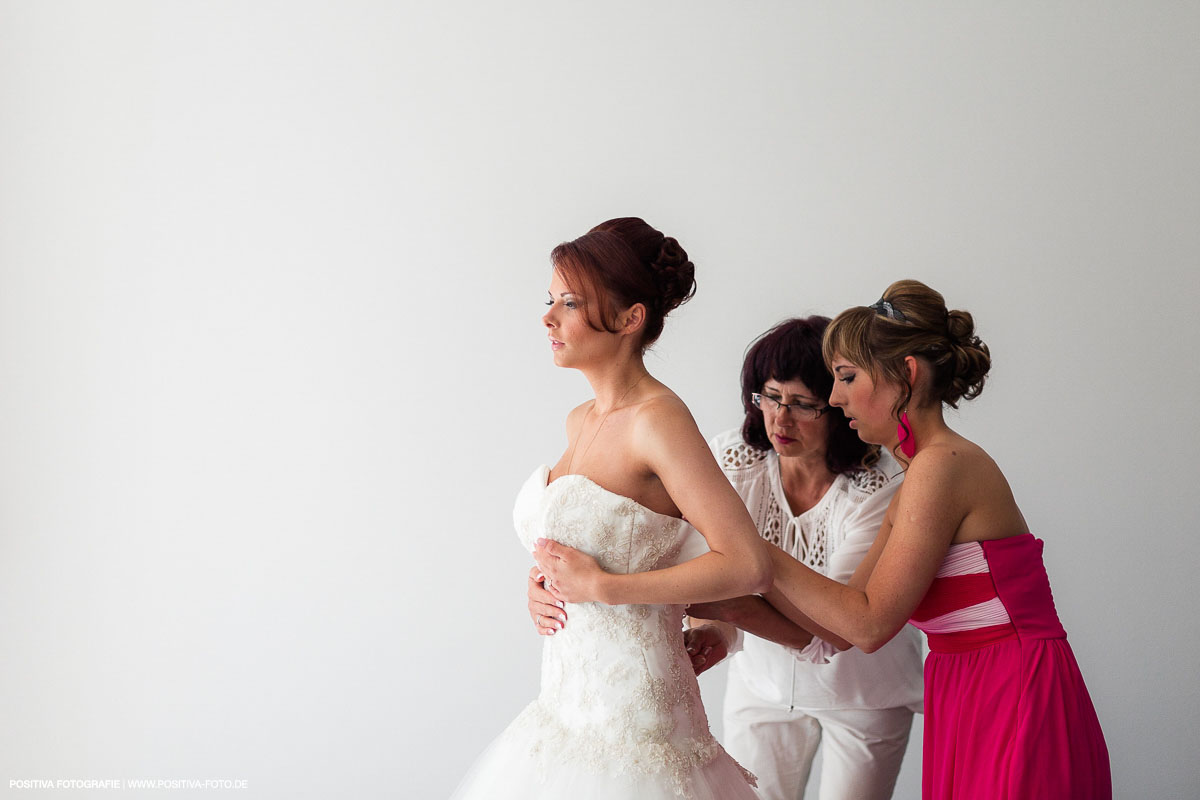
<point x="915" y="322"/>
<point x="622" y="262"/>
<point x="792" y="351"/>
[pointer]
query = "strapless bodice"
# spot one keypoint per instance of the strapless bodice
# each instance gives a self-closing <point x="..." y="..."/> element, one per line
<point x="986" y="592"/>
<point x="620" y="533"/>
<point x="617" y="684"/>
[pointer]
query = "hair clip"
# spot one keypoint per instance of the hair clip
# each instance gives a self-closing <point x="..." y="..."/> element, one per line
<point x="885" y="309"/>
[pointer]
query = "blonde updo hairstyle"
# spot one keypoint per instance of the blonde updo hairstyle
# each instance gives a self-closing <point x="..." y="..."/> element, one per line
<point x="912" y="320"/>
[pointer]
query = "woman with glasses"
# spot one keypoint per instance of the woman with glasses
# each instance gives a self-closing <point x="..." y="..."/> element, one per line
<point x="814" y="489"/>
<point x="818" y="492"/>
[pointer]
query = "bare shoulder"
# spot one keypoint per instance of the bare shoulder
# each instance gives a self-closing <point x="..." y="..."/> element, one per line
<point x="663" y="415"/>
<point x="664" y="433"/>
<point x="665" y="402"/>
<point x="576" y="416"/>
<point x="949" y="484"/>
<point x="934" y="480"/>
<point x="947" y="460"/>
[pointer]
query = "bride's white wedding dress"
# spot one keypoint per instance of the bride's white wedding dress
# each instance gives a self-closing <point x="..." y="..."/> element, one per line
<point x="619" y="716"/>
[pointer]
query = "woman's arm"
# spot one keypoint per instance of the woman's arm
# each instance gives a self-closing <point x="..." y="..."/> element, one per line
<point x="754" y="615"/>
<point x="896" y="572"/>
<point x="778" y="601"/>
<point x="860" y="527"/>
<point x="666" y="440"/>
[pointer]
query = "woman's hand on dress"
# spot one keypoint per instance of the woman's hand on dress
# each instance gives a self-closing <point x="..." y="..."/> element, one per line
<point x="706" y="647"/>
<point x="571" y="575"/>
<point x="546" y="611"/>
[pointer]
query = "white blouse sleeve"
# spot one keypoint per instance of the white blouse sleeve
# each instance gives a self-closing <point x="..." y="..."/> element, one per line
<point x="868" y="504"/>
<point x="869" y="495"/>
<point x="817" y="651"/>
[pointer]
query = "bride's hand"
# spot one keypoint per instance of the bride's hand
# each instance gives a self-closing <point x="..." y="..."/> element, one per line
<point x="571" y="575"/>
<point x="545" y="611"/>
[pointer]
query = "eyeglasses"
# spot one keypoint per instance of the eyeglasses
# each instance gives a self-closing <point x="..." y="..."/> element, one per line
<point x="801" y="410"/>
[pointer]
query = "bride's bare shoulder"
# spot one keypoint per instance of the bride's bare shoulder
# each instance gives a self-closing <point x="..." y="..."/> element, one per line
<point x="576" y="416"/>
<point x="664" y="405"/>
<point x="665" y="416"/>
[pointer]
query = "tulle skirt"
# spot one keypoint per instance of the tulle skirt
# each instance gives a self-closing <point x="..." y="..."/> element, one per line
<point x="522" y="765"/>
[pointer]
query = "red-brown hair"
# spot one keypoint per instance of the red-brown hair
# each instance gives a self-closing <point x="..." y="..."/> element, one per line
<point x="622" y="262"/>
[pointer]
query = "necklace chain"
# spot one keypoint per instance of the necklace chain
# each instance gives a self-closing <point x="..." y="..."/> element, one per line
<point x="616" y="405"/>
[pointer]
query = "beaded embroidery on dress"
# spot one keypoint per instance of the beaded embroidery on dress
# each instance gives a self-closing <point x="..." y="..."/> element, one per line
<point x="619" y="714"/>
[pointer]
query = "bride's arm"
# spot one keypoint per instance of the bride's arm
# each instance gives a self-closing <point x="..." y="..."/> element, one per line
<point x="668" y="443"/>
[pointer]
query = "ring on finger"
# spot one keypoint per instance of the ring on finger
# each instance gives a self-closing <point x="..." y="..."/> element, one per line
<point x="539" y="620"/>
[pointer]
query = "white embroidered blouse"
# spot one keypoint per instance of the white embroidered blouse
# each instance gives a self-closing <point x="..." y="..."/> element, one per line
<point x="832" y="538"/>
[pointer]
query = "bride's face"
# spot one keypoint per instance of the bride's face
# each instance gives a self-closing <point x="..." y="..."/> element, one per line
<point x="573" y="341"/>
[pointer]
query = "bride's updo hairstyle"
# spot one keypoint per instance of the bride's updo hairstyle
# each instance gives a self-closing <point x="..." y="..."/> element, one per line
<point x="622" y="262"/>
<point x="912" y="320"/>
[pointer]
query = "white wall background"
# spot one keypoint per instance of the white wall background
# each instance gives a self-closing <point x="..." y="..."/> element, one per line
<point x="270" y="284"/>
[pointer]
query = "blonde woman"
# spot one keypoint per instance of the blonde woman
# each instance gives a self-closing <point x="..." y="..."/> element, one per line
<point x="1007" y="714"/>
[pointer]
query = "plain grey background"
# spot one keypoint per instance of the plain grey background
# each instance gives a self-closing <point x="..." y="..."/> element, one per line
<point x="271" y="277"/>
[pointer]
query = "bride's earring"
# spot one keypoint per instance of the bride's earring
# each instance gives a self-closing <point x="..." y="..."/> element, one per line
<point x="908" y="443"/>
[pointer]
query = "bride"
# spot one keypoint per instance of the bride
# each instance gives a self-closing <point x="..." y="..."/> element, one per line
<point x="619" y="713"/>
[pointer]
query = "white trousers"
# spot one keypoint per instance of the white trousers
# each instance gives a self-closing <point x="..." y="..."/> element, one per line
<point x="863" y="748"/>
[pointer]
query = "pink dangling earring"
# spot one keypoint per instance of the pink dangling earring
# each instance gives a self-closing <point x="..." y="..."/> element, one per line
<point x="908" y="442"/>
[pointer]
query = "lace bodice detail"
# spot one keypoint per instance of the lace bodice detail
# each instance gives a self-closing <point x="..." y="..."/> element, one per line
<point x="617" y="685"/>
<point x="620" y="533"/>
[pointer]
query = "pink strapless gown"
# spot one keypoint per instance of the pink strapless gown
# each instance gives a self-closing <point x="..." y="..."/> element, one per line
<point x="1007" y="716"/>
